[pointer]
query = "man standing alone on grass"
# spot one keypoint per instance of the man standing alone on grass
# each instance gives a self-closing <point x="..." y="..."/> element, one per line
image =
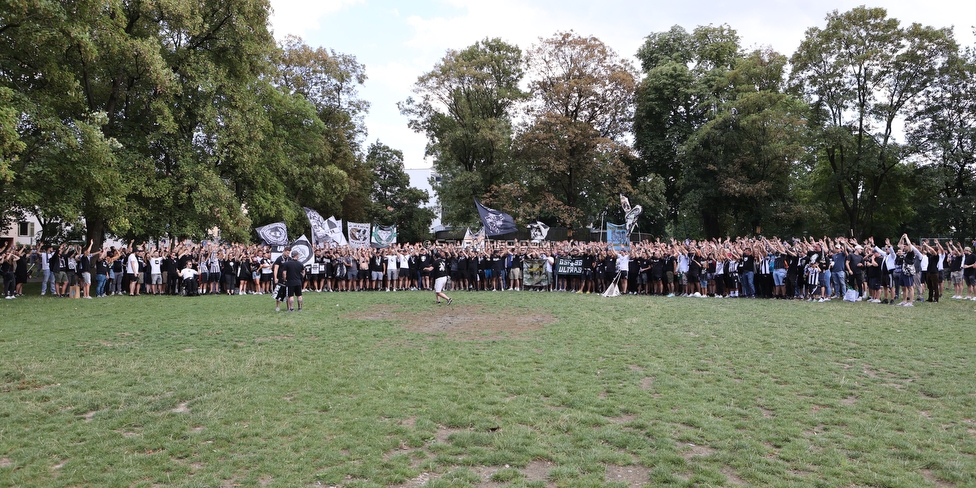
<point x="438" y="268"/>
<point x="293" y="271"/>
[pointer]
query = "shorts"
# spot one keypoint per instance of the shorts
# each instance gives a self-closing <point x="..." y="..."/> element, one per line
<point x="874" y="283"/>
<point x="779" y="277"/>
<point x="156" y="279"/>
<point x="439" y="284"/>
<point x="281" y="292"/>
<point x="907" y="280"/>
<point x="971" y="280"/>
<point x="60" y="277"/>
<point x="488" y="274"/>
<point x="392" y="274"/>
<point x="516" y="274"/>
<point x="295" y="290"/>
<point x="376" y="275"/>
<point x="255" y="275"/>
<point x="351" y="274"/>
<point x="956" y="277"/>
<point x="86" y="278"/>
<point x="265" y="277"/>
<point x="683" y="278"/>
<point x="642" y="278"/>
<point x="214" y="278"/>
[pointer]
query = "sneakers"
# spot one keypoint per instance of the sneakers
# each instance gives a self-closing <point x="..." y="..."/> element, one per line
<point x="449" y="300"/>
<point x="277" y="309"/>
<point x="884" y="301"/>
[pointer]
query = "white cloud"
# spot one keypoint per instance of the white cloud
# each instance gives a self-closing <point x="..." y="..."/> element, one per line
<point x="298" y="17"/>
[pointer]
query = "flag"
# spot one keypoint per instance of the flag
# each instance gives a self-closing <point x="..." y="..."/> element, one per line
<point x="320" y="232"/>
<point x="495" y="223"/>
<point x="468" y="240"/>
<point x="273" y="234"/>
<point x="538" y="231"/>
<point x="383" y="236"/>
<point x="334" y="232"/>
<point x="618" y="237"/>
<point x="478" y="240"/>
<point x="304" y="249"/>
<point x="359" y="234"/>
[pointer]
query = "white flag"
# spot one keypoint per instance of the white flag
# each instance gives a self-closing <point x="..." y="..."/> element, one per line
<point x="359" y="234"/>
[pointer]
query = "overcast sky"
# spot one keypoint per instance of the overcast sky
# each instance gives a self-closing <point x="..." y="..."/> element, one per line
<point x="397" y="41"/>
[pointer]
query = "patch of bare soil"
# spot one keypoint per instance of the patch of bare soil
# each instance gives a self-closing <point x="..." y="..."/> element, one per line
<point x="733" y="477"/>
<point x="696" y="451"/>
<point x="631" y="475"/>
<point x="461" y="322"/>
<point x="537" y="471"/>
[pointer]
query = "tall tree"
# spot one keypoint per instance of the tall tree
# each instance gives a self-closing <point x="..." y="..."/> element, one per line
<point x="579" y="115"/>
<point x="945" y="133"/>
<point x="741" y="167"/>
<point x="862" y="74"/>
<point x="321" y="146"/>
<point x="394" y="201"/>
<point x="683" y="83"/>
<point x="465" y="106"/>
<point x="138" y="116"/>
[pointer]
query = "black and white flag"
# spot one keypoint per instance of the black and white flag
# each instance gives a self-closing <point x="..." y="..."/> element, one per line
<point x="495" y="223"/>
<point x="273" y="234"/>
<point x="320" y="231"/>
<point x="538" y="232"/>
<point x="306" y="255"/>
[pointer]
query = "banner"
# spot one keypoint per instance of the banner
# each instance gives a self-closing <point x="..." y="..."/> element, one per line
<point x="478" y="240"/>
<point x="569" y="266"/>
<point x="618" y="237"/>
<point x="320" y="232"/>
<point x="383" y="236"/>
<point x="468" y="241"/>
<point x="359" y="234"/>
<point x="534" y="272"/>
<point x="304" y="248"/>
<point x="273" y="234"/>
<point x="334" y="232"/>
<point x="538" y="232"/>
<point x="495" y="223"/>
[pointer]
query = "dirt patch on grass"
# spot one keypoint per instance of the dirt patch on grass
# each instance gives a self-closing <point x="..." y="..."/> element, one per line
<point x="732" y="476"/>
<point x="461" y="322"/>
<point x="931" y="478"/>
<point x="695" y="450"/>
<point x="537" y="471"/>
<point x="443" y="433"/>
<point x="631" y="475"/>
<point x="6" y="463"/>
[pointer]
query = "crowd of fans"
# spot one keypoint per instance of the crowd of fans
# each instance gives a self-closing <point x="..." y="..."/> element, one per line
<point x="797" y="269"/>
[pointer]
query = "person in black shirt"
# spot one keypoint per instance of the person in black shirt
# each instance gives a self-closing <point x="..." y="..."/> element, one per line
<point x="438" y="268"/>
<point x="293" y="273"/>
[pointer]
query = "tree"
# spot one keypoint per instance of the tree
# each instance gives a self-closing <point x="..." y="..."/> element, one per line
<point x="465" y="107"/>
<point x="394" y="201"/>
<point x="317" y="129"/>
<point x="862" y="74"/>
<point x="579" y="113"/>
<point x="944" y="131"/>
<point x="683" y="84"/>
<point x="141" y="117"/>
<point x="741" y="167"/>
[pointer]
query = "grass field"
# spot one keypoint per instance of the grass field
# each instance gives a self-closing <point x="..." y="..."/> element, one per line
<point x="499" y="389"/>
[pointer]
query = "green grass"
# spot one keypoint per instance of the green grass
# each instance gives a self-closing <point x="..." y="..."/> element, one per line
<point x="216" y="391"/>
